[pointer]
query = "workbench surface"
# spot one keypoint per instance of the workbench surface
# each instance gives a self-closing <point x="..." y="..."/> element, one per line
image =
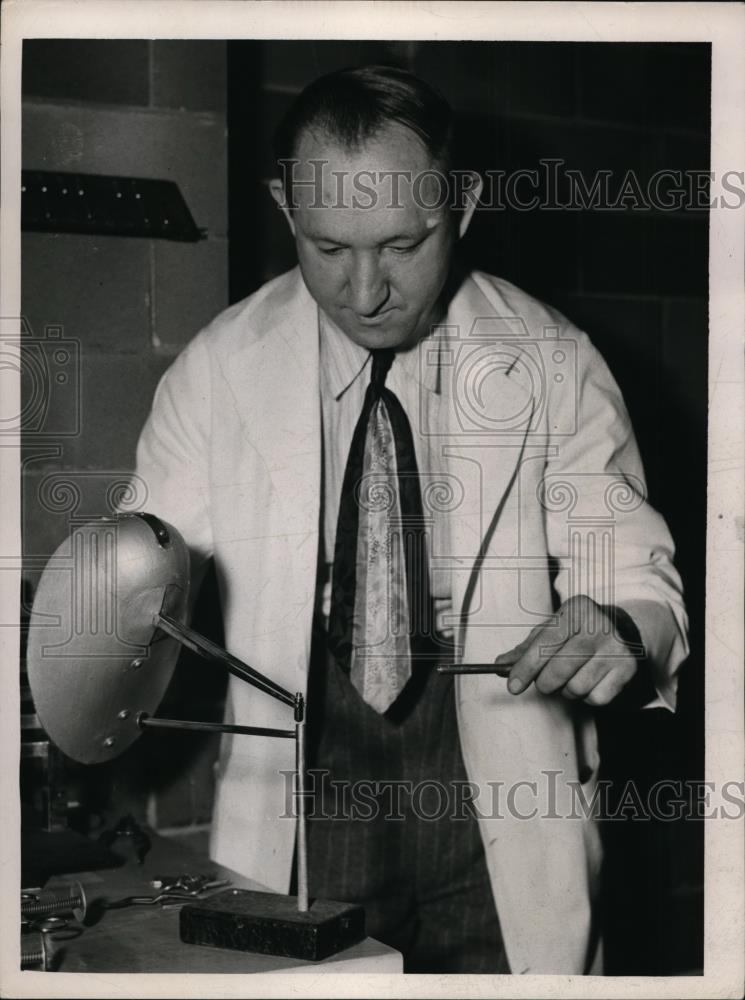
<point x="146" y="938"/>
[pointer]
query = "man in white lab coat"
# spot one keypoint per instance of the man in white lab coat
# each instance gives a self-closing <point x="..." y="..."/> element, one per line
<point x="543" y="552"/>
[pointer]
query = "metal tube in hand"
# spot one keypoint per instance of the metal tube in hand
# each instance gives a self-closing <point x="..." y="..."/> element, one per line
<point x="500" y="669"/>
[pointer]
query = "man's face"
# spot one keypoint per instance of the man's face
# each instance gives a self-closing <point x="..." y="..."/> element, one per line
<point x="377" y="271"/>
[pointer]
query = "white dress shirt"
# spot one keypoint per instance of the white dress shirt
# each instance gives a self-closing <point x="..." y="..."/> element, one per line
<point x="415" y="379"/>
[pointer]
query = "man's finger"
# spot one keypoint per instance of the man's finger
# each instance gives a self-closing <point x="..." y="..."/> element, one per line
<point x="542" y="643"/>
<point x="560" y="649"/>
<point x="581" y="683"/>
<point x="564" y="664"/>
<point x="511" y="656"/>
<point x="558" y="670"/>
<point x="611" y="685"/>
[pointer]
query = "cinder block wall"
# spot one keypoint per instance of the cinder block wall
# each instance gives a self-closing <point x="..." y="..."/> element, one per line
<point x="142" y="109"/>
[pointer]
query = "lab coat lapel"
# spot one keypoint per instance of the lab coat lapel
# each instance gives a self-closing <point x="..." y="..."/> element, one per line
<point x="489" y="409"/>
<point x="282" y="410"/>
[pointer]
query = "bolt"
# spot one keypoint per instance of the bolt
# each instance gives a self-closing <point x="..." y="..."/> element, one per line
<point x="124" y="714"/>
<point x="136" y="664"/>
<point x="109" y="742"/>
<point x="52" y="902"/>
<point x="35" y="953"/>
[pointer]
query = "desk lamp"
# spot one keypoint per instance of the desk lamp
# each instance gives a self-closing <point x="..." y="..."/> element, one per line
<point x="108" y="618"/>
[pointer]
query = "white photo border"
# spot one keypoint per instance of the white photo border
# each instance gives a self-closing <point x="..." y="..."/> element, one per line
<point x="723" y="25"/>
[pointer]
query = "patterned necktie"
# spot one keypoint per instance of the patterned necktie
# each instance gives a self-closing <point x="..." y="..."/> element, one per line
<point x="380" y="601"/>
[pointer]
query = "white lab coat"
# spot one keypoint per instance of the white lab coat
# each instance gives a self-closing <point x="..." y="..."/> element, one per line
<point x="231" y="455"/>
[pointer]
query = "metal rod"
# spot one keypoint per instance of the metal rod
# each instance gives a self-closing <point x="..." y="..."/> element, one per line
<point x="145" y="721"/>
<point x="211" y="651"/>
<point x="501" y="670"/>
<point x="302" y="847"/>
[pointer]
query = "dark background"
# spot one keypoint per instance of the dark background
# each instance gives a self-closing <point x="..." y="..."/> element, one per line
<point x="202" y="114"/>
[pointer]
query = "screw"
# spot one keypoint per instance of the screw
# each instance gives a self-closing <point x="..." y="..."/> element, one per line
<point x="51" y="902"/>
<point x="136" y="664"/>
<point x="109" y="742"/>
<point x="35" y="953"/>
<point x="124" y="714"/>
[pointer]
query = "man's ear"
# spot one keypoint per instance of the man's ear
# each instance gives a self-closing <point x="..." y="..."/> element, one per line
<point x="471" y="194"/>
<point x="278" y="193"/>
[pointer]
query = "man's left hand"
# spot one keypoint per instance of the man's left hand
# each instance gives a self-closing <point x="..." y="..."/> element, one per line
<point x="579" y="653"/>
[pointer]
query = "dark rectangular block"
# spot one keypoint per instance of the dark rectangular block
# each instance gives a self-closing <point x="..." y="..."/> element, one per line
<point x="589" y="150"/>
<point x="270" y="924"/>
<point x="134" y="142"/>
<point x="117" y="392"/>
<point x="681" y="151"/>
<point x="535" y="250"/>
<point x="280" y="254"/>
<point x="91" y="434"/>
<point x="190" y="288"/>
<point x="685" y="353"/>
<point x="189" y="74"/>
<point x="649" y="83"/>
<point x="633" y="254"/>
<point x="685" y="347"/>
<point x="296" y="63"/>
<point x="95" y="289"/>
<point x="184" y="779"/>
<point x="501" y="77"/>
<point x="113" y="71"/>
<point x="94" y="204"/>
<point x="266" y="114"/>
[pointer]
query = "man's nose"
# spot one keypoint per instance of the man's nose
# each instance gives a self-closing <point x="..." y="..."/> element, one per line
<point x="368" y="286"/>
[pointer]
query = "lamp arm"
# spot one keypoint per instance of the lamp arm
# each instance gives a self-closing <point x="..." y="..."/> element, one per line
<point x="145" y="721"/>
<point x="211" y="651"/>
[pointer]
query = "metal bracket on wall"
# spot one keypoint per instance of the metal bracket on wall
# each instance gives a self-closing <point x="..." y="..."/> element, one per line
<point x="55" y="202"/>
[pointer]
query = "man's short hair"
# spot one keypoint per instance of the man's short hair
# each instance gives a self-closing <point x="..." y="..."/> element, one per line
<point x="353" y="105"/>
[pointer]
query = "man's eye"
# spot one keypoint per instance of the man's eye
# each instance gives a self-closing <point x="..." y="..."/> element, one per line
<point x="330" y="251"/>
<point x="405" y="250"/>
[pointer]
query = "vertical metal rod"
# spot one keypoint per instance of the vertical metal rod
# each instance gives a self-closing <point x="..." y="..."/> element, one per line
<point x="302" y="847"/>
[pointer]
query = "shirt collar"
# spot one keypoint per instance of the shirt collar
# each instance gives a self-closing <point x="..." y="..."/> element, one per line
<point x="343" y="361"/>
